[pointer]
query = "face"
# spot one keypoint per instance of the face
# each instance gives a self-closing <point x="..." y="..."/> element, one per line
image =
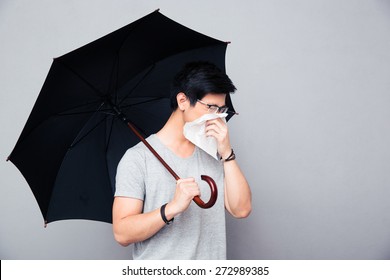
<point x="201" y="108"/>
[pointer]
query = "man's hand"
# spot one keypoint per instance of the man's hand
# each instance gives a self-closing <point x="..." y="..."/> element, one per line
<point x="218" y="129"/>
<point x="186" y="190"/>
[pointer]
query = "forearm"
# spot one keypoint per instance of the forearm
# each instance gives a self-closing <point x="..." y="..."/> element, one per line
<point x="139" y="227"/>
<point x="237" y="191"/>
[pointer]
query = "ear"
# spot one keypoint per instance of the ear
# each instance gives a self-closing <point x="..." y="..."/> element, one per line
<point x="182" y="101"/>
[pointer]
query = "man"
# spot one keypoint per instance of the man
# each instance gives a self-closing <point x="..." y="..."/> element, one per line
<point x="148" y="199"/>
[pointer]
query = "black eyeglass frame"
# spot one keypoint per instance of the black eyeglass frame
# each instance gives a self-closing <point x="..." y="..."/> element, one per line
<point x="218" y="109"/>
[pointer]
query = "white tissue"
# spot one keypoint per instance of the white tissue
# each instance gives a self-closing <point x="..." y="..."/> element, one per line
<point x="195" y="131"/>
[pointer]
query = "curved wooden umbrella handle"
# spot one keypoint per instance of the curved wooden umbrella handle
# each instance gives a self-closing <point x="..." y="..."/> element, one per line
<point x="213" y="195"/>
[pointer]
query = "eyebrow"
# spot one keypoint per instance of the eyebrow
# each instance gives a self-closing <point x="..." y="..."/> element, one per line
<point x="214" y="104"/>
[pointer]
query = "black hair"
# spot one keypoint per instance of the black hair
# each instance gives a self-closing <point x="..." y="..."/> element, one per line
<point x="196" y="79"/>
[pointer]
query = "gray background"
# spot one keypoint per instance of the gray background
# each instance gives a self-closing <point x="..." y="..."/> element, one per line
<point x="312" y="137"/>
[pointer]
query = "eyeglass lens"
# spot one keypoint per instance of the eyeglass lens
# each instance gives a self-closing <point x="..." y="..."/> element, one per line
<point x="215" y="109"/>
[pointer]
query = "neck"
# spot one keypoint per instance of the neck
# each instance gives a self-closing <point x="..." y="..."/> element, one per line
<point x="171" y="135"/>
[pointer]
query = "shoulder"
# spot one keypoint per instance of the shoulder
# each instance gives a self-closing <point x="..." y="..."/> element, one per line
<point x="138" y="154"/>
<point x="133" y="157"/>
<point x="136" y="151"/>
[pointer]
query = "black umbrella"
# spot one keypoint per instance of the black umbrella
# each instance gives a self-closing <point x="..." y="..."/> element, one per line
<point x="78" y="130"/>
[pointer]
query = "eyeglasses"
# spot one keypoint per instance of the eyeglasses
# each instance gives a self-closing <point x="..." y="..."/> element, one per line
<point x="214" y="109"/>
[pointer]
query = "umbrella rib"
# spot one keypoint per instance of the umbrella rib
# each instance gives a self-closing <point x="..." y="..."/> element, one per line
<point x="67" y="113"/>
<point x="141" y="80"/>
<point x="105" y="111"/>
<point x="136" y="24"/>
<point x="88" y="132"/>
<point x="114" y="84"/>
<point x="143" y="102"/>
<point x="80" y="77"/>
<point x="108" y="140"/>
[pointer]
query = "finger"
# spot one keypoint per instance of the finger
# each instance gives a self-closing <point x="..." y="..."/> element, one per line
<point x="220" y="134"/>
<point x="188" y="187"/>
<point x="190" y="190"/>
<point x="194" y="191"/>
<point x="218" y="122"/>
<point x="213" y="133"/>
<point x="214" y="127"/>
<point x="218" y="125"/>
<point x="185" y="180"/>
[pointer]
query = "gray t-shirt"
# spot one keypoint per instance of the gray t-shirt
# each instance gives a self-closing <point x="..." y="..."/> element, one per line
<point x="195" y="234"/>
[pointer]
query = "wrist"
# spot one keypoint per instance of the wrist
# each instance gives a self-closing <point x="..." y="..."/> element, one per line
<point x="167" y="219"/>
<point x="231" y="156"/>
<point x="225" y="154"/>
<point x="171" y="211"/>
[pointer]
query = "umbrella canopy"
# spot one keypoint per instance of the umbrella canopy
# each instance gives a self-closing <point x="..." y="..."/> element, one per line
<point x="72" y="142"/>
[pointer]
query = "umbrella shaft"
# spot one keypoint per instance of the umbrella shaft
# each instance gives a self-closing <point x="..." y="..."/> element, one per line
<point x="136" y="132"/>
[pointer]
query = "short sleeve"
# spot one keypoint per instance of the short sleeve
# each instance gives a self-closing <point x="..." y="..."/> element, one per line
<point x="130" y="179"/>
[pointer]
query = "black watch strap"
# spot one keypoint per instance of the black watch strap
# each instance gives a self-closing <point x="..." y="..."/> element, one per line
<point x="162" y="212"/>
